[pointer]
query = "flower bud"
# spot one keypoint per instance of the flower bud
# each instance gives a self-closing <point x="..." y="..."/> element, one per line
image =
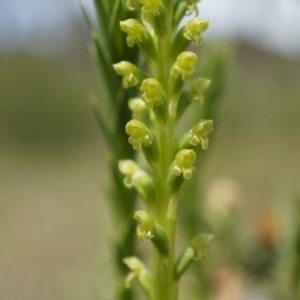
<point x="134" y="30"/>
<point x="137" y="106"/>
<point x="139" y="271"/>
<point x="194" y="28"/>
<point x="153" y="92"/>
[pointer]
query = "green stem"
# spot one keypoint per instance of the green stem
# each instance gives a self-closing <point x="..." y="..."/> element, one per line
<point x="166" y="211"/>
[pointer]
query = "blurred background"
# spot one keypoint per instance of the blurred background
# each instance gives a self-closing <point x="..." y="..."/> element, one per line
<point x="55" y="226"/>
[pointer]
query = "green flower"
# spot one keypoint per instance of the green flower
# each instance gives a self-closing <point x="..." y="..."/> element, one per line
<point x="184" y="161"/>
<point x="144" y="230"/>
<point x="137" y="106"/>
<point x="150" y="8"/>
<point x="185" y="65"/>
<point x="138" y="132"/>
<point x="135" y="31"/>
<point x="192" y="5"/>
<point x="139" y="271"/>
<point x="198" y="86"/>
<point x="127" y="70"/>
<point x="194" y="28"/>
<point x="200" y="131"/>
<point x="153" y="92"/>
<point x="127" y="167"/>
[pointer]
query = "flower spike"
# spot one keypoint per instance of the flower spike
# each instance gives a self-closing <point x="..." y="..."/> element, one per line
<point x="194" y="28"/>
